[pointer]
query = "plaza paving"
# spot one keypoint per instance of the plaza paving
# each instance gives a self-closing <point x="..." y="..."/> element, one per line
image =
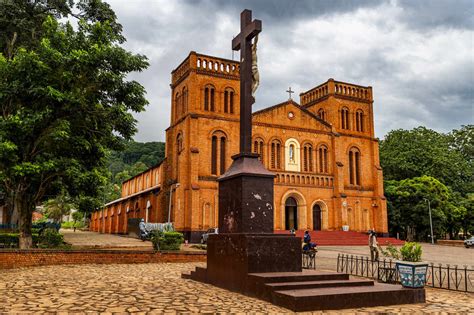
<point x="86" y="239"/>
<point x="158" y="288"/>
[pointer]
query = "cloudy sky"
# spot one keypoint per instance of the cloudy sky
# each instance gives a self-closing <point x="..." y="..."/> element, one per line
<point x="417" y="55"/>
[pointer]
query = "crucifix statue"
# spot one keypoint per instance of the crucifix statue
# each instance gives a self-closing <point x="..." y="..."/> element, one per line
<point x="249" y="77"/>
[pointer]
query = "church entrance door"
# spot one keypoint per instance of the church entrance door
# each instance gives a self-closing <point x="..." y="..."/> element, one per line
<point x="317" y="217"/>
<point x="291" y="214"/>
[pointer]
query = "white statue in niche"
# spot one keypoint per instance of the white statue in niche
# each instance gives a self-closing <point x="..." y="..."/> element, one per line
<point x="292" y="153"/>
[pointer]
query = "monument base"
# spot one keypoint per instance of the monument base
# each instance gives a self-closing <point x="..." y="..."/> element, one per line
<point x="231" y="257"/>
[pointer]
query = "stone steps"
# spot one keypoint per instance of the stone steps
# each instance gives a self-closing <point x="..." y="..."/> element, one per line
<point x="315" y="290"/>
<point x="346" y="297"/>
<point x="279" y="286"/>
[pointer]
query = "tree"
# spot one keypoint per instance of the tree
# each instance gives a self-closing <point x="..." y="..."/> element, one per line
<point x="421" y="151"/>
<point x="65" y="101"/>
<point x="58" y="207"/>
<point x="408" y="207"/>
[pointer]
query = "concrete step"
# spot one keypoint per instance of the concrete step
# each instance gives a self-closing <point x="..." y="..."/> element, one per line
<point x="278" y="286"/>
<point x="346" y="297"/>
<point x="271" y="277"/>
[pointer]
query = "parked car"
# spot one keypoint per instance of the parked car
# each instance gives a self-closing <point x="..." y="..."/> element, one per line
<point x="469" y="242"/>
<point x="205" y="236"/>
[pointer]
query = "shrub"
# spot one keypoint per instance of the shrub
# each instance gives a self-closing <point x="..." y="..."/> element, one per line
<point x="171" y="241"/>
<point x="411" y="252"/>
<point x="155" y="236"/>
<point x="51" y="238"/>
<point x="13" y="240"/>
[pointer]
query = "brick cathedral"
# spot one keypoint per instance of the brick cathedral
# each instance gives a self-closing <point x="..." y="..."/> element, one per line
<point x="323" y="152"/>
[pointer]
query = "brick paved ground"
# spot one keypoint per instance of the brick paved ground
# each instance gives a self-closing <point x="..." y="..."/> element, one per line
<point x="157" y="288"/>
<point x="86" y="239"/>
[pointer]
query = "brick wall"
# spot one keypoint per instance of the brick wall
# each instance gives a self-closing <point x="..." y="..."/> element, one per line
<point x="41" y="257"/>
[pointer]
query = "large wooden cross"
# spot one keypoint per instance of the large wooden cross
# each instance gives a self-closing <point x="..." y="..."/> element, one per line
<point x="243" y="42"/>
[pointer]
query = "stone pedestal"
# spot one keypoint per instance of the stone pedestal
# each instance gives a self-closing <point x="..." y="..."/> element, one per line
<point x="246" y="197"/>
<point x="231" y="257"/>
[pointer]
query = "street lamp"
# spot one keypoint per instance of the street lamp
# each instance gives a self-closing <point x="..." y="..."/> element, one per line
<point x="431" y="221"/>
<point x="171" y="195"/>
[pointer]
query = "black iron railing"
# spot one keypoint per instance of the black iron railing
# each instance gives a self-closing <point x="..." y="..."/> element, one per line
<point x="308" y="258"/>
<point x="438" y="276"/>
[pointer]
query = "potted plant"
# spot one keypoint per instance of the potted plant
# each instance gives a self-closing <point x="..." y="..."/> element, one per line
<point x="411" y="269"/>
<point x="345" y="227"/>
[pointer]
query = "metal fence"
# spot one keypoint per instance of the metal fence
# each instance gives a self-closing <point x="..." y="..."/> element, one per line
<point x="438" y="276"/>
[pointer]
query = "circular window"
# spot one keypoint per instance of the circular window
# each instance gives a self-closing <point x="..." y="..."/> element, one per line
<point x="291" y="115"/>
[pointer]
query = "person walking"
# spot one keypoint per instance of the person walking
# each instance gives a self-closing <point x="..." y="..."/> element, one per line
<point x="373" y="246"/>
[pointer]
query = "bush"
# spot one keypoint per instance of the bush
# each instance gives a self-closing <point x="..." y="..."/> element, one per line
<point x="51" y="238"/>
<point x="411" y="252"/>
<point x="155" y="236"/>
<point x="171" y="241"/>
<point x="13" y="240"/>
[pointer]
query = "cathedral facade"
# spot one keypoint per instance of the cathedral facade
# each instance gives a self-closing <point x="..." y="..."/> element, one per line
<point x="322" y="151"/>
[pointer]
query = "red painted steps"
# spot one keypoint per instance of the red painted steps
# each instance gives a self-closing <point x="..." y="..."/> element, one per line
<point x="342" y="238"/>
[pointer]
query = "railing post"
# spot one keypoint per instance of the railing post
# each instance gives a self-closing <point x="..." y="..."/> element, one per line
<point x="337" y="263"/>
<point x="449" y="282"/>
<point x="432" y="275"/>
<point x="465" y="277"/>
<point x="440" y="279"/>
<point x="357" y="265"/>
<point x="456" y="276"/>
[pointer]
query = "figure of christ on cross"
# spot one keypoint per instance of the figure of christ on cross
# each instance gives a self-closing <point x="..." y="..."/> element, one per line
<point x="243" y="42"/>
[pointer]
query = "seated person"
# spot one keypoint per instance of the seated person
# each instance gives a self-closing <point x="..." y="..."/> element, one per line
<point x="307" y="244"/>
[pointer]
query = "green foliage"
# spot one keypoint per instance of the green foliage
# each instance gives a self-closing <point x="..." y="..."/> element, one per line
<point x="66" y="99"/>
<point x="391" y="251"/>
<point x="58" y="207"/>
<point x="77" y="216"/>
<point x="155" y="236"/>
<point x="421" y="151"/>
<point x="72" y="224"/>
<point x="171" y="241"/>
<point x="12" y="239"/>
<point x="408" y="206"/>
<point x="411" y="252"/>
<point x="50" y="238"/>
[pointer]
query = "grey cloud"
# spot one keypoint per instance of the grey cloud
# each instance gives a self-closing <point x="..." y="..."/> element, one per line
<point x="417" y="61"/>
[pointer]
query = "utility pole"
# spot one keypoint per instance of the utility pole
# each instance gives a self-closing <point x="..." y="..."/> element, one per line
<point x="431" y="221"/>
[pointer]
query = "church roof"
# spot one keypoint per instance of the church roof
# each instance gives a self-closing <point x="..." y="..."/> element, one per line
<point x="297" y="106"/>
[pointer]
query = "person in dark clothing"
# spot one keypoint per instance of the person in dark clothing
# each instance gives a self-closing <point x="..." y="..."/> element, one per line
<point x="307" y="244"/>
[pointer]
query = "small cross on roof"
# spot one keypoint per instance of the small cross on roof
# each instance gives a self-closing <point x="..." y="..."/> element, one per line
<point x="289" y="91"/>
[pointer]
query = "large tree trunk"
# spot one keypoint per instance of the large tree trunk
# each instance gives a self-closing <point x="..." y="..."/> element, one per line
<point x="25" y="209"/>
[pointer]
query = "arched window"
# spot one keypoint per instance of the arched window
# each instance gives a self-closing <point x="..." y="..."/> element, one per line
<point x="322" y="114"/>
<point x="258" y="148"/>
<point x="214" y="156"/>
<point x="354" y="166"/>
<point x="184" y="102"/>
<point x="218" y="153"/>
<point x="360" y="120"/>
<point x="179" y="143"/>
<point x="345" y="118"/>
<point x="275" y="161"/>
<point x="209" y="93"/>
<point x="222" y="160"/>
<point x="323" y="159"/>
<point x="307" y="158"/>
<point x="229" y="101"/>
<point x="177" y="104"/>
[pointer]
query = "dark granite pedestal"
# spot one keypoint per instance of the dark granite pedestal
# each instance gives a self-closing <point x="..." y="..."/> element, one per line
<point x="247" y="258"/>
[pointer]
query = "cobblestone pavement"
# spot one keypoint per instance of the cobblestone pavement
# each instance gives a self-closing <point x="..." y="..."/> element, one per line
<point x="86" y="239"/>
<point x="157" y="288"/>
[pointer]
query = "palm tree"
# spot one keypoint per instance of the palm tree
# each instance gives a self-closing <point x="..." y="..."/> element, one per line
<point x="58" y="207"/>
